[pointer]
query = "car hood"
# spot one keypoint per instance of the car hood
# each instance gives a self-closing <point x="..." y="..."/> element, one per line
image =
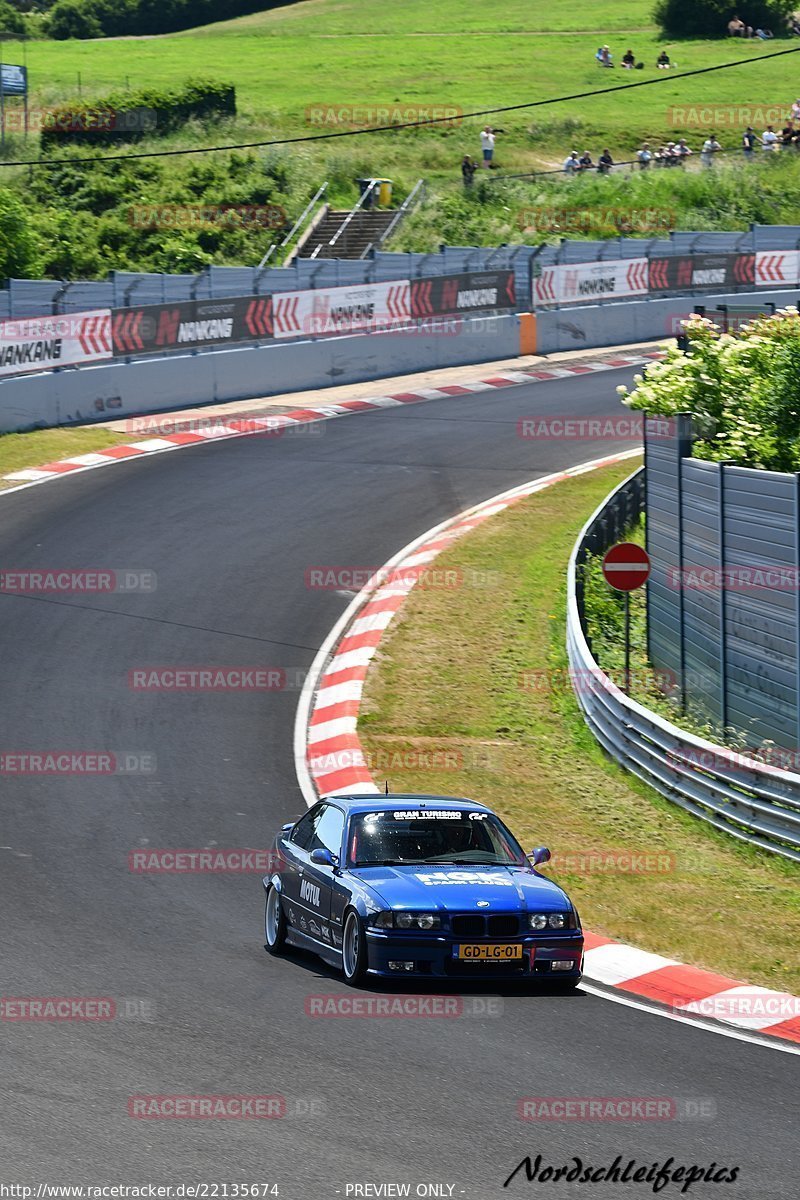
<point x="458" y="889"/>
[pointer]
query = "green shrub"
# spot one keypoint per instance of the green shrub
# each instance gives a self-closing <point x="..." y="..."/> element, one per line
<point x="130" y="116"/>
<point x="743" y="389"/>
<point x="709" y="18"/>
<point x="116" y="18"/>
<point x="10" y="20"/>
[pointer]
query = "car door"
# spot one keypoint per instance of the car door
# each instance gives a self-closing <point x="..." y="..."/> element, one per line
<point x="316" y="881"/>
<point x="295" y="847"/>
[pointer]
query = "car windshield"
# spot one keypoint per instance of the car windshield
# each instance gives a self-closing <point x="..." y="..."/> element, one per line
<point x="404" y="836"/>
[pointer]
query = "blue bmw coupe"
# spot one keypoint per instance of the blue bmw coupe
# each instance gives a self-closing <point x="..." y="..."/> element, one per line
<point x="418" y="887"/>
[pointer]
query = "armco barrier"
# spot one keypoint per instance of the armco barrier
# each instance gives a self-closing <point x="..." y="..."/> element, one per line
<point x="122" y="388"/>
<point x="751" y="800"/>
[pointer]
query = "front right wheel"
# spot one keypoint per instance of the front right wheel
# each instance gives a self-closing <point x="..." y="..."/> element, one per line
<point x="354" y="949"/>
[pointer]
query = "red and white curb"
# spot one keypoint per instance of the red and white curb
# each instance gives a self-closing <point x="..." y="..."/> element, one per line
<point x="329" y="758"/>
<point x="275" y="426"/>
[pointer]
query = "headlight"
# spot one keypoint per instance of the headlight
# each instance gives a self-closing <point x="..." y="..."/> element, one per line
<point x="549" y="920"/>
<point x="406" y="920"/>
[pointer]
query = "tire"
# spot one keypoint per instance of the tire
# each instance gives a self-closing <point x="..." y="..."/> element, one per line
<point x="274" y="922"/>
<point x="354" y="949"/>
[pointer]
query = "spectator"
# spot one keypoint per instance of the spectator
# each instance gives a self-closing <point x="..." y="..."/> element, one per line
<point x="749" y="140"/>
<point x="661" y="156"/>
<point x="604" y="57"/>
<point x="736" y="27"/>
<point x="585" y="161"/>
<point x="795" y="113"/>
<point x="794" y="26"/>
<point x="644" y="156"/>
<point x="769" y="139"/>
<point x="764" y="34"/>
<point x="628" y="60"/>
<point x="662" y="62"/>
<point x="682" y="151"/>
<point x="671" y="155"/>
<point x="788" y="134"/>
<point x="605" y="162"/>
<point x="748" y="32"/>
<point x="487" y="145"/>
<point x="468" y="169"/>
<point x="710" y="147"/>
<point x="572" y="165"/>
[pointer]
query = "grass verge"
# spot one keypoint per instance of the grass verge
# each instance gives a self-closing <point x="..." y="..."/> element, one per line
<point x="20" y="450"/>
<point x="456" y="704"/>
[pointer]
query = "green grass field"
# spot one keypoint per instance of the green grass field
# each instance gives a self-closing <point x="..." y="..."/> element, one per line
<point x="304" y="68"/>
<point x="494" y="718"/>
<point x="361" y="52"/>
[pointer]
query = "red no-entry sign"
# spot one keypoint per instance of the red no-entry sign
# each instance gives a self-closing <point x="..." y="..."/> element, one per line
<point x="626" y="566"/>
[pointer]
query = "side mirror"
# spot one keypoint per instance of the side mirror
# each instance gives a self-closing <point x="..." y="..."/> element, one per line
<point x="540" y="855"/>
<point x="289" y="825"/>
<point x="322" y="857"/>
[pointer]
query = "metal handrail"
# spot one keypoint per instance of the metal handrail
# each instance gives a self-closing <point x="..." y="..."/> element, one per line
<point x="373" y="184"/>
<point x="750" y="800"/>
<point x="410" y="201"/>
<point x="280" y="245"/>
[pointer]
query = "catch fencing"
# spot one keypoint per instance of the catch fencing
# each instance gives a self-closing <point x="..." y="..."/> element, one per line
<point x="732" y="790"/>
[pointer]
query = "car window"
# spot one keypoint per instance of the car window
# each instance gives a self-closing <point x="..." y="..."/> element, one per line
<point x="303" y="831"/>
<point x="328" y="831"/>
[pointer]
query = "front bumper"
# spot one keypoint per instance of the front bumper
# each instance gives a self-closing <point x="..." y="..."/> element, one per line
<point x="434" y="957"/>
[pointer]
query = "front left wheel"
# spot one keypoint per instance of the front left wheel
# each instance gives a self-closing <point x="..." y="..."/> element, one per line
<point x="274" y="922"/>
<point x="354" y="949"/>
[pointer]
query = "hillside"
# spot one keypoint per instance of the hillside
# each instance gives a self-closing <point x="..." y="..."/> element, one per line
<point x="324" y="65"/>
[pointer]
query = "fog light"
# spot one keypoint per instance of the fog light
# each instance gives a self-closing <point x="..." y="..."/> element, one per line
<point x="562" y="964"/>
<point x="400" y="965"/>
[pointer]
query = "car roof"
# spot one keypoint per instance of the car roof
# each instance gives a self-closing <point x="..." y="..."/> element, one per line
<point x="379" y="802"/>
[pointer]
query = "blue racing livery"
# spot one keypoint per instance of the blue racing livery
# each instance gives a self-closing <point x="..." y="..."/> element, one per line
<point x="418" y="886"/>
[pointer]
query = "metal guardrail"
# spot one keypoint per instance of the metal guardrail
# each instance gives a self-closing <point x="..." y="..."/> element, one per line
<point x="751" y="800"/>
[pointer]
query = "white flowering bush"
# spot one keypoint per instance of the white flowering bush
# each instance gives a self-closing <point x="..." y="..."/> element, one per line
<point x="742" y="389"/>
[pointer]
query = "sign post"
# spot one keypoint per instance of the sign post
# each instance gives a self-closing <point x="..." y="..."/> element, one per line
<point x="626" y="567"/>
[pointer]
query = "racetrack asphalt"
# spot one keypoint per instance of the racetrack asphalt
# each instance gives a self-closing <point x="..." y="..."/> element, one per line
<point x="230" y="529"/>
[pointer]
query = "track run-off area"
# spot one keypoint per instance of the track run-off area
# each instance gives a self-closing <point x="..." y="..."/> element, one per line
<point x="225" y="533"/>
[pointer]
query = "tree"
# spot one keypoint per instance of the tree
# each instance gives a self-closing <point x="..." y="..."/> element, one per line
<point x="10" y="20"/>
<point x="73" y="19"/>
<point x="19" y="249"/>
<point x="709" y="18"/>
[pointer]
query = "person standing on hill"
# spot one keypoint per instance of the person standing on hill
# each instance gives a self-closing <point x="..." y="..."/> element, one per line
<point x="749" y="140"/>
<point x="605" y="162"/>
<point x="468" y="169"/>
<point x="487" y="145"/>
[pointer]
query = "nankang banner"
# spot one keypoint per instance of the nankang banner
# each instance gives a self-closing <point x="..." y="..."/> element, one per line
<point x="326" y="312"/>
<point x="450" y="295"/>
<point x="698" y="272"/>
<point x="189" y="324"/>
<point x="62" y="340"/>
<point x="588" y="282"/>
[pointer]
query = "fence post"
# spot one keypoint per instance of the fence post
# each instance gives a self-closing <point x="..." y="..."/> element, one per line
<point x="683" y="449"/>
<point x="723" y="640"/>
<point x="797" y="597"/>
